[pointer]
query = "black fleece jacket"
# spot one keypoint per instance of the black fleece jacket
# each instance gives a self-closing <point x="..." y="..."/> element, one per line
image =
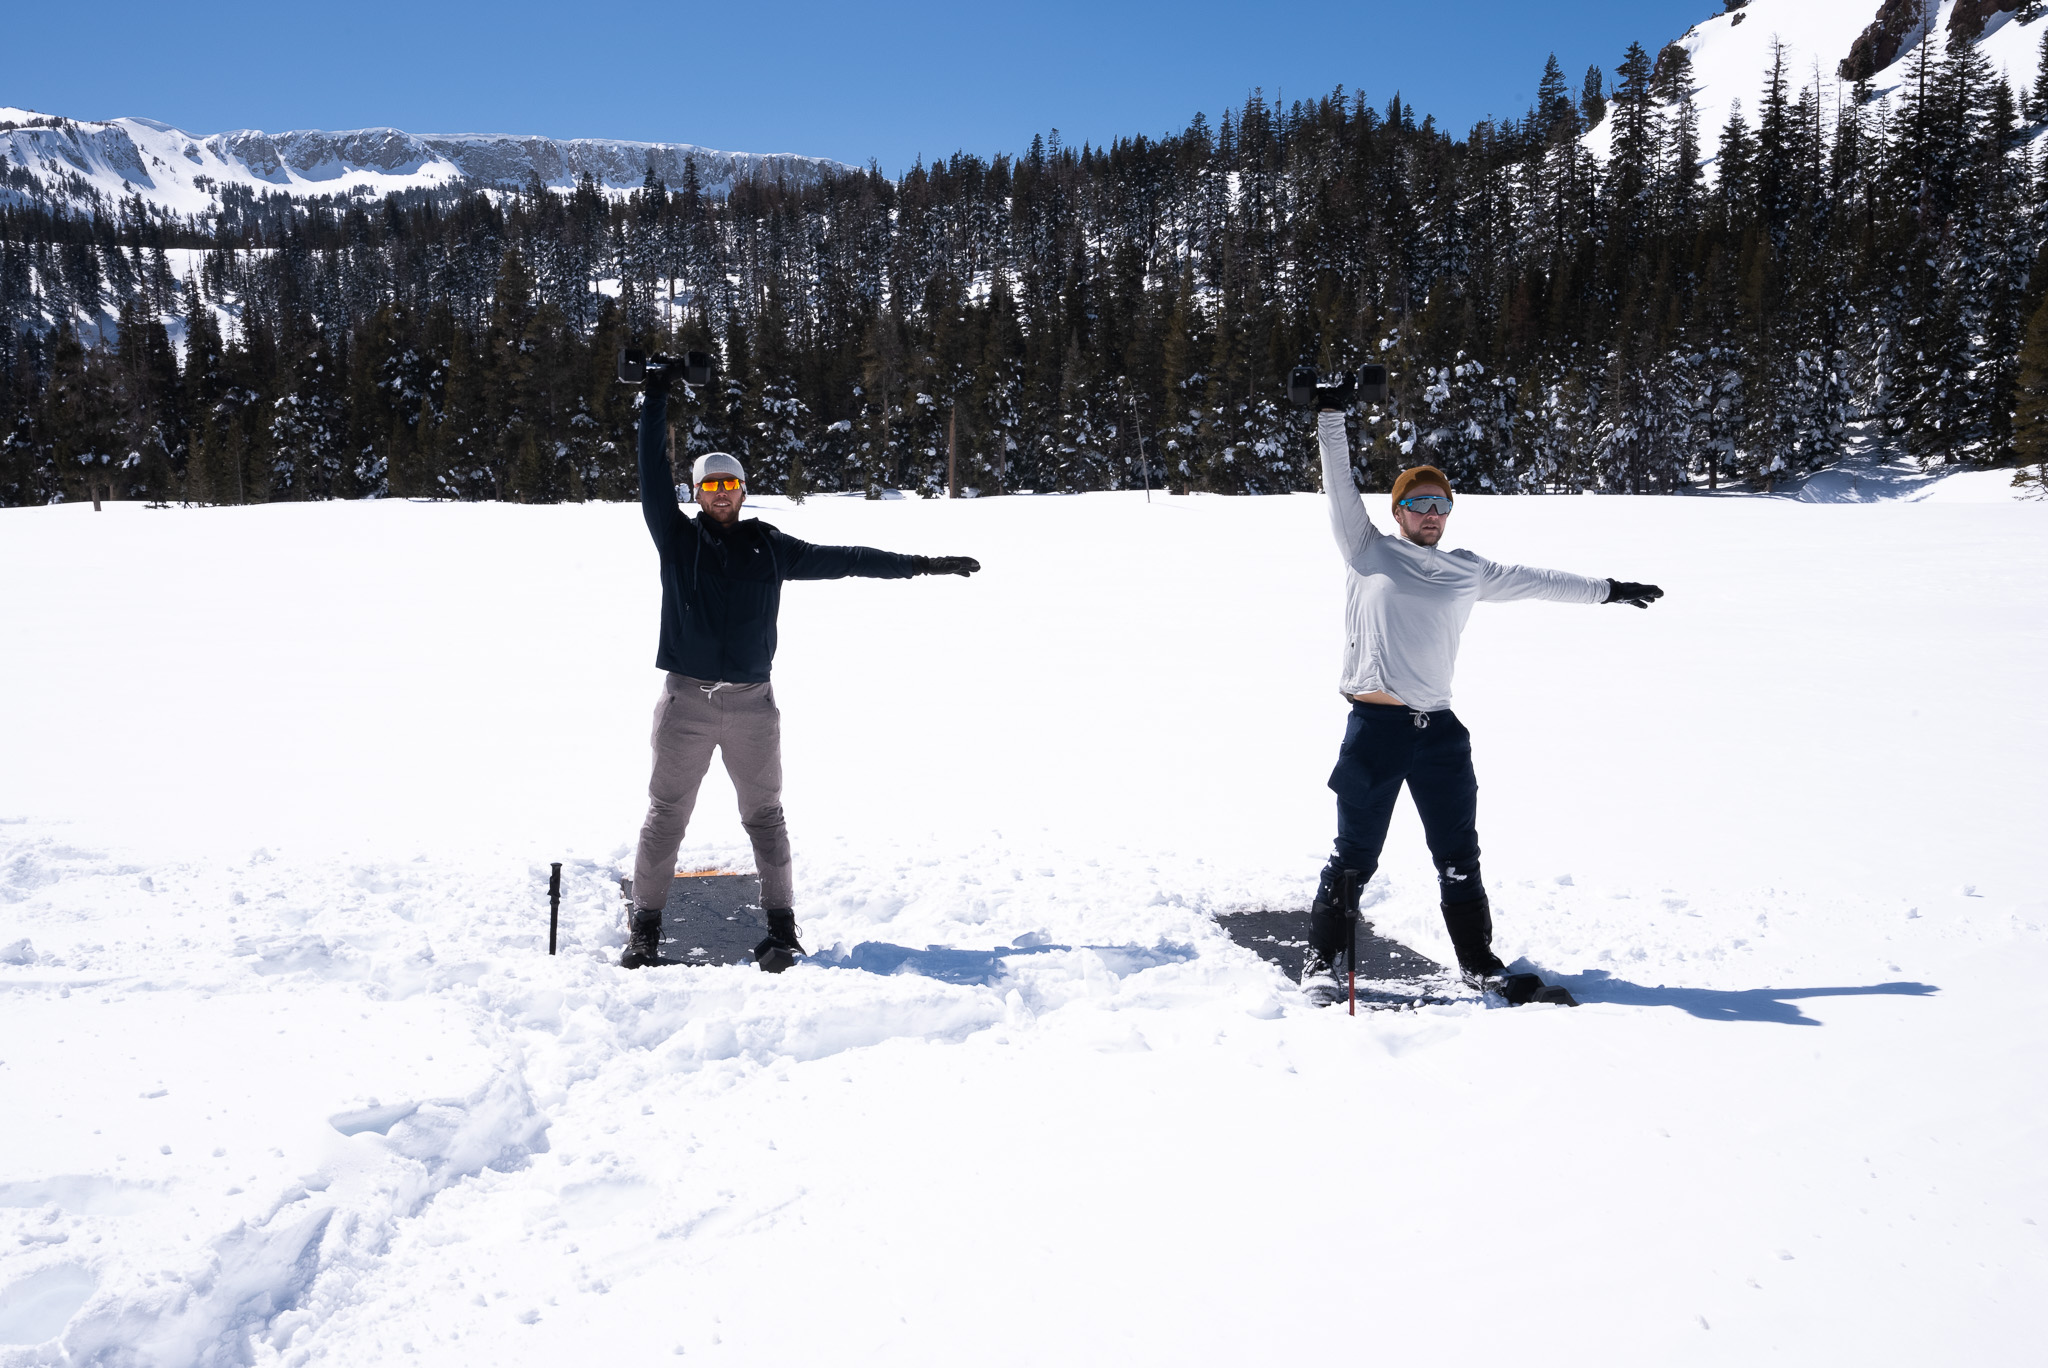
<point x="721" y="587"/>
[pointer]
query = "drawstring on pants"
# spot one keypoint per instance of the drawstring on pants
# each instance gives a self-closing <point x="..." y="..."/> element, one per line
<point x="709" y="690"/>
<point x="1421" y="719"/>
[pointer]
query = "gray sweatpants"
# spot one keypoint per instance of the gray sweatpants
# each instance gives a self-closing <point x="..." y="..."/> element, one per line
<point x="694" y="717"/>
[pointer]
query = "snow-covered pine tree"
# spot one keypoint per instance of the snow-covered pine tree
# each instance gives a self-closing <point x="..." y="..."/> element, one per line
<point x="308" y="428"/>
<point x="1631" y="162"/>
<point x="883" y="362"/>
<point x="780" y="420"/>
<point x="2036" y="106"/>
<point x="2030" y="389"/>
<point x="1992" y="242"/>
<point x="383" y="401"/>
<point x="149" y="425"/>
<point x="997" y="398"/>
<point x="509" y="444"/>
<point x="729" y="416"/>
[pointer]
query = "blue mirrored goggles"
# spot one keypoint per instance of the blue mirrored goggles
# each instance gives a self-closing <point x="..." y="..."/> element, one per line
<point x="1426" y="503"/>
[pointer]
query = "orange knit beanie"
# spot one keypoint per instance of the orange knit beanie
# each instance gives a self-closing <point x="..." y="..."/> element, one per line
<point x="1415" y="475"/>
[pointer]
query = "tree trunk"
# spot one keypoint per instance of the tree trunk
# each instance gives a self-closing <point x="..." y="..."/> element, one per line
<point x="953" y="451"/>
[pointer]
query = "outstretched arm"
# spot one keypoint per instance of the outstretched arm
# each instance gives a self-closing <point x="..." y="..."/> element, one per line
<point x="1505" y="582"/>
<point x="665" y="520"/>
<point x="1354" y="529"/>
<point x="802" y="560"/>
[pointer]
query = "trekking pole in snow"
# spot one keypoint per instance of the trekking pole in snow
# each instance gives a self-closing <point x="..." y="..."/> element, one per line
<point x="1144" y="466"/>
<point x="1351" y="964"/>
<point x="554" y="903"/>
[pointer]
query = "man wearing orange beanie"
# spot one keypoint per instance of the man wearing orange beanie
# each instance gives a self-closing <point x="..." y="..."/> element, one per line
<point x="1406" y="606"/>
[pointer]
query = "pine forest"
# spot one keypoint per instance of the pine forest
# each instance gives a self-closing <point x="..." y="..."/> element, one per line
<point x="1701" y="308"/>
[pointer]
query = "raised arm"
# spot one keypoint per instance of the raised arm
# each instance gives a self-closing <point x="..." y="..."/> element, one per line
<point x="1353" y="528"/>
<point x="665" y="520"/>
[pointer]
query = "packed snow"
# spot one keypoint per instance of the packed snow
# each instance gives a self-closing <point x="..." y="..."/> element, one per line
<point x="290" y="1077"/>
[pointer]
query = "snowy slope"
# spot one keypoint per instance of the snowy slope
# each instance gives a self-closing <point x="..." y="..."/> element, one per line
<point x="289" y="1078"/>
<point x="1732" y="54"/>
<point x="184" y="172"/>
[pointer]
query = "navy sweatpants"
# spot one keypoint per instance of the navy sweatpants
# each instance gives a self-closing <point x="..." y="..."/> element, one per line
<point x="1385" y="746"/>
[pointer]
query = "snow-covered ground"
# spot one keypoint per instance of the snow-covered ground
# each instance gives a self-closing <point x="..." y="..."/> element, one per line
<point x="289" y="1078"/>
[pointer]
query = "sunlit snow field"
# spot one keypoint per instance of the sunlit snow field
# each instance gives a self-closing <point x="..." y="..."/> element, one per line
<point x="287" y="1075"/>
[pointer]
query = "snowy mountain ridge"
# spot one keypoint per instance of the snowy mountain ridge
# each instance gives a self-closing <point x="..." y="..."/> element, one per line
<point x="1829" y="43"/>
<point x="73" y="161"/>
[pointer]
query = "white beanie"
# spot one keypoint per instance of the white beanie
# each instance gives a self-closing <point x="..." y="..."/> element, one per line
<point x="716" y="463"/>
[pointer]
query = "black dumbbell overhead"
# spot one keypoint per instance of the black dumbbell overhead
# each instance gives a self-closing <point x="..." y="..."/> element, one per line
<point x="634" y="364"/>
<point x="1367" y="384"/>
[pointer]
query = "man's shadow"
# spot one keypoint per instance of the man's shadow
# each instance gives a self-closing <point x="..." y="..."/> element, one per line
<point x="1779" y="1005"/>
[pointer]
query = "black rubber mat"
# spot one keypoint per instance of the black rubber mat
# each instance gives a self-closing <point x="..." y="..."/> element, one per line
<point x="1389" y="973"/>
<point x="711" y="918"/>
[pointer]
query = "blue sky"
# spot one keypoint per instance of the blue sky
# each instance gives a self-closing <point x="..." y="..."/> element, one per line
<point x="882" y="80"/>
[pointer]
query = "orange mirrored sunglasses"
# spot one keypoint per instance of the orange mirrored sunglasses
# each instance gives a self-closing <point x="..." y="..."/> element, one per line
<point x="719" y="484"/>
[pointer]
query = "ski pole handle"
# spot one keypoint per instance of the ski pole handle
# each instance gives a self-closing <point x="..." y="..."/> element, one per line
<point x="554" y="903"/>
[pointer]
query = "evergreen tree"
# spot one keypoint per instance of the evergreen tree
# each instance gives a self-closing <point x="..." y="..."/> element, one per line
<point x="883" y="359"/>
<point x="998" y="394"/>
<point x="1593" y="97"/>
<point x="1631" y="162"/>
<point x="308" y="430"/>
<point x="149" y="430"/>
<point x="2030" y="411"/>
<point x="1681" y="173"/>
<point x="779" y="419"/>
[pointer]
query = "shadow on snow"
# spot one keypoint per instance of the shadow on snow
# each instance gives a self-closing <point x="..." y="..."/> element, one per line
<point x="1778" y="1005"/>
<point x="985" y="966"/>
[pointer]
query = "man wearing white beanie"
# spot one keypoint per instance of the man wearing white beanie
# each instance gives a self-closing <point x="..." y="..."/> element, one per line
<point x="721" y="587"/>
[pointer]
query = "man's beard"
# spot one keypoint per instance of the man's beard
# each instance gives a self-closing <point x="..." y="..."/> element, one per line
<point x="1426" y="536"/>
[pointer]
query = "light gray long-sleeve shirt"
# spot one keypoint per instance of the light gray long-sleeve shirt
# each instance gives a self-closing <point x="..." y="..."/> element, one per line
<point x="1405" y="605"/>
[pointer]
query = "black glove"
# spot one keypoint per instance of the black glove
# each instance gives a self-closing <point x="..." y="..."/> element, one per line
<point x="1339" y="395"/>
<point x="947" y="565"/>
<point x="692" y="368"/>
<point x="1641" y="595"/>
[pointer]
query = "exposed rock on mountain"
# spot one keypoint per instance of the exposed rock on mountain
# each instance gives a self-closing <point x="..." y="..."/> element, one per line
<point x="1969" y="16"/>
<point x="1902" y="23"/>
<point x="1898" y="23"/>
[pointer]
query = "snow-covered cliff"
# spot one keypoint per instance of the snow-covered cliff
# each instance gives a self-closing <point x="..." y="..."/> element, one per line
<point x="1731" y="52"/>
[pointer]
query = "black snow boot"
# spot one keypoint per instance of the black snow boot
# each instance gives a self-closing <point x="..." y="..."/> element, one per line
<point x="643" y="939"/>
<point x="1471" y="928"/>
<point x="778" y="949"/>
<point x="1332" y="922"/>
